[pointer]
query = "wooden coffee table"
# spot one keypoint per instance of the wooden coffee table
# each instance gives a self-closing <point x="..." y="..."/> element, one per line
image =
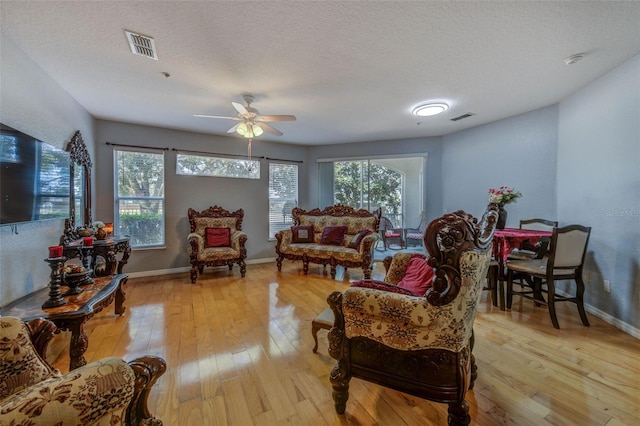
<point x="75" y="313"/>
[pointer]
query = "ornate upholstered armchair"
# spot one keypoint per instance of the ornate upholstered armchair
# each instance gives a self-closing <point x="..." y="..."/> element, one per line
<point x="418" y="345"/>
<point x="105" y="392"/>
<point x="216" y="239"/>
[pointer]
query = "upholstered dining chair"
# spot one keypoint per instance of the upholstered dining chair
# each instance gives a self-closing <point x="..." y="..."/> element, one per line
<point x="216" y="239"/>
<point x="105" y="392"/>
<point x="565" y="261"/>
<point x="391" y="236"/>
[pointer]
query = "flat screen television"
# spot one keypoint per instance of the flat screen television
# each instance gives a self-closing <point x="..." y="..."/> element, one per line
<point x="34" y="179"/>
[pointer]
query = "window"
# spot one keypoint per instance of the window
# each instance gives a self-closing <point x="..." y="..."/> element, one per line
<point x="283" y="195"/>
<point x="139" y="197"/>
<point x="204" y="165"/>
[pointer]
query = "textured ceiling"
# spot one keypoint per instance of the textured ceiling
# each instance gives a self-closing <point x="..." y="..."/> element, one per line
<point x="349" y="71"/>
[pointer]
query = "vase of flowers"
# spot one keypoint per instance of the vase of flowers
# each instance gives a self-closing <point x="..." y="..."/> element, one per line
<point x="503" y="196"/>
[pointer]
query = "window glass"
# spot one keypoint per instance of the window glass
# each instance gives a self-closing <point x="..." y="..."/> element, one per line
<point x="204" y="165"/>
<point x="139" y="197"/>
<point x="283" y="195"/>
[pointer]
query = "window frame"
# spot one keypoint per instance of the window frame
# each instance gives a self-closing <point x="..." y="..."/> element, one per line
<point x="117" y="198"/>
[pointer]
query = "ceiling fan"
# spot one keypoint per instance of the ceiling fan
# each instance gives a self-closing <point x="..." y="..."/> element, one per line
<point x="251" y="124"/>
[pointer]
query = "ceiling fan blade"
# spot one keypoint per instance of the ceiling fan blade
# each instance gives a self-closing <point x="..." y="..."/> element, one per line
<point x="240" y="108"/>
<point x="217" y="116"/>
<point x="263" y="118"/>
<point x="269" y="129"/>
<point x="233" y="129"/>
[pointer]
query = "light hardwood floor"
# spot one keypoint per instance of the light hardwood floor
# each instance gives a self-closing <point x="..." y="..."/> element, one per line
<point x="238" y="352"/>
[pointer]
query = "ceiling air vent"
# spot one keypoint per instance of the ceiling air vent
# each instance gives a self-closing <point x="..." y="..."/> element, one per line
<point x="142" y="45"/>
<point x="460" y="117"/>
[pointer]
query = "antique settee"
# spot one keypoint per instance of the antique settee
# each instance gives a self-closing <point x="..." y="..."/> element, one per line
<point x="336" y="235"/>
<point x="420" y="344"/>
<point x="106" y="392"/>
<point x="216" y="239"/>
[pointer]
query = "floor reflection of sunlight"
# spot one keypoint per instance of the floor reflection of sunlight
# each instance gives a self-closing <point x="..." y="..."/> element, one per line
<point x="281" y="318"/>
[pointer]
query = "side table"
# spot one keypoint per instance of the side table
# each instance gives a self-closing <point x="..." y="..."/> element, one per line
<point x="107" y="249"/>
<point x="78" y="310"/>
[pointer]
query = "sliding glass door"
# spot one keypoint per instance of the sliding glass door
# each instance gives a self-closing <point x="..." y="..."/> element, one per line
<point x="393" y="184"/>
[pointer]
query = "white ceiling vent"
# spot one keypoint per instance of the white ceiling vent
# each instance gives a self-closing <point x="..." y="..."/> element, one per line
<point x="142" y="45"/>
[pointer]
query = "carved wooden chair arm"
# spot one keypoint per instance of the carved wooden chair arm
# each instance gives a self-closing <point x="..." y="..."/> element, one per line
<point x="147" y="370"/>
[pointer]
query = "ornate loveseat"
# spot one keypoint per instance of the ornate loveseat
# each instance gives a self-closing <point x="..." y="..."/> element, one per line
<point x="357" y="256"/>
<point x="419" y="344"/>
<point x="206" y="246"/>
<point x="105" y="392"/>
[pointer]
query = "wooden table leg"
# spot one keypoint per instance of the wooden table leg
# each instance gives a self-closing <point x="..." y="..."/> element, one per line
<point x="120" y="298"/>
<point x="79" y="341"/>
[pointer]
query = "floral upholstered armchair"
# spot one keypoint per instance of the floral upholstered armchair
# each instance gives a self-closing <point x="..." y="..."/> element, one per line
<point x="105" y="392"/>
<point x="418" y="343"/>
<point x="216" y="239"/>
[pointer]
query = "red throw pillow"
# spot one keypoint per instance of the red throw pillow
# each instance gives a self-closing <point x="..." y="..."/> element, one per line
<point x="217" y="237"/>
<point x="302" y="234"/>
<point x="381" y="285"/>
<point x="333" y="235"/>
<point x="357" y="240"/>
<point x="418" y="276"/>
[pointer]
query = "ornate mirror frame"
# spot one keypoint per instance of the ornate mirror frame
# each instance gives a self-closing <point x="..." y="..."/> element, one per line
<point x="79" y="157"/>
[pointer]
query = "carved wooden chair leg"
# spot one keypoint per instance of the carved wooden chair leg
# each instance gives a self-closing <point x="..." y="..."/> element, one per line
<point x="193" y="274"/>
<point x="243" y="268"/>
<point x="279" y="262"/>
<point x="305" y="265"/>
<point x="340" y="382"/>
<point x="459" y="413"/>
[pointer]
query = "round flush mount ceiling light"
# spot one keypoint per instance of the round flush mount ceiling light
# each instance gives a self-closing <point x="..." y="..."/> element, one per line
<point x="427" y="110"/>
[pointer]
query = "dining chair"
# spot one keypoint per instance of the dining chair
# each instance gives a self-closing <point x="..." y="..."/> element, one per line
<point x="565" y="261"/>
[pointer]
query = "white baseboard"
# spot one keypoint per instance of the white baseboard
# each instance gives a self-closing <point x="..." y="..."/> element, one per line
<point x="627" y="328"/>
<point x="158" y="272"/>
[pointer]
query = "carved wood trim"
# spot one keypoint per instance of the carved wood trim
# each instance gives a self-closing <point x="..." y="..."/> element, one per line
<point x="337" y="210"/>
<point x="215" y="212"/>
<point x="446" y="239"/>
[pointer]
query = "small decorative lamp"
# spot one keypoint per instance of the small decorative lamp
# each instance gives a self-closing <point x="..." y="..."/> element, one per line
<point x="108" y="226"/>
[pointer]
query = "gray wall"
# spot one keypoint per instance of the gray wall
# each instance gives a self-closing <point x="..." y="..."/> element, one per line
<point x="33" y="103"/>
<point x="599" y="185"/>
<point x="518" y="152"/>
<point x="197" y="192"/>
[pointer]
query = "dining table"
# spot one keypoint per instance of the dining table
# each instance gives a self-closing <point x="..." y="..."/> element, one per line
<point x="504" y="241"/>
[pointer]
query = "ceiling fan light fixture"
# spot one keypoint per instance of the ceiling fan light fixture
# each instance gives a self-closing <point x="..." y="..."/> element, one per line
<point x="249" y="130"/>
<point x="243" y="130"/>
<point x="429" y="109"/>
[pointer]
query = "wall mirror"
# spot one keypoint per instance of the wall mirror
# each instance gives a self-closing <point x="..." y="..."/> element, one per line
<point x="80" y="191"/>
